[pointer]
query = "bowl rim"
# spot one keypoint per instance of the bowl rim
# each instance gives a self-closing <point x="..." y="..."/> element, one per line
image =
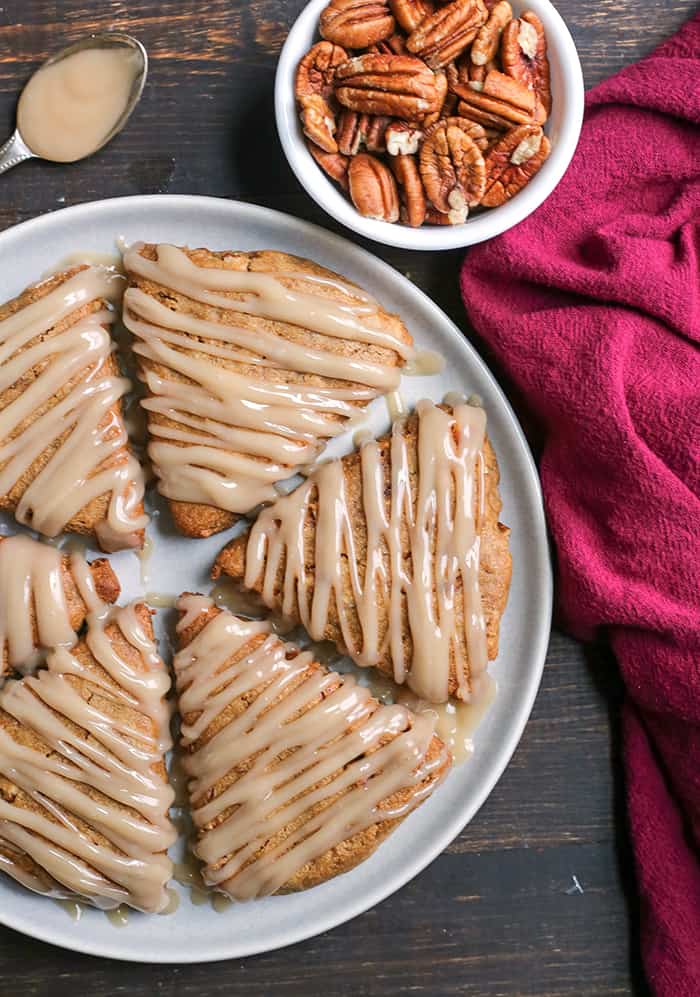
<point x="478" y="228"/>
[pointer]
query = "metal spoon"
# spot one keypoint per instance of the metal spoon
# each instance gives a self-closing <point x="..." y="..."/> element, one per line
<point x="16" y="150"/>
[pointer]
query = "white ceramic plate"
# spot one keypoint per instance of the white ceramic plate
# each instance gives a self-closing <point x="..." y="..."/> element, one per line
<point x="198" y="933"/>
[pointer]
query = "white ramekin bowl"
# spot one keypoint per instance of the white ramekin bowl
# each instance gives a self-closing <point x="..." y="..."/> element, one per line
<point x="563" y="129"/>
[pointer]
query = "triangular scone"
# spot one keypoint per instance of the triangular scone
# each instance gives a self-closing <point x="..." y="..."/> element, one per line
<point x="251" y="361"/>
<point x="84" y="795"/>
<point x="44" y="598"/>
<point x="395" y="553"/>
<point x="65" y="463"/>
<point x="296" y="772"/>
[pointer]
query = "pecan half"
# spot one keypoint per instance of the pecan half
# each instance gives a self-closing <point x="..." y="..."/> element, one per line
<point x="410" y="13"/>
<point x="492" y="136"/>
<point x="458" y="71"/>
<point x="475" y="132"/>
<point x="318" y="123"/>
<point x="398" y="85"/>
<point x="524" y="57"/>
<point x="435" y="217"/>
<point x="402" y="138"/>
<point x="512" y="162"/>
<point x="502" y="87"/>
<point x="332" y="163"/>
<point x="396" y="45"/>
<point x="356" y="23"/>
<point x="446" y="33"/>
<point x="452" y="168"/>
<point x="313" y="90"/>
<point x="316" y="71"/>
<point x="441" y="87"/>
<point x="449" y="108"/>
<point x="373" y="188"/>
<point x="488" y="40"/>
<point x="478" y="74"/>
<point x="351" y="131"/>
<point x="376" y="129"/>
<point x="413" y="196"/>
<point x="482" y="118"/>
<point x="496" y="103"/>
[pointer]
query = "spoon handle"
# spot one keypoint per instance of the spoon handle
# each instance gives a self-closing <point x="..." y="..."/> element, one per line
<point x="14" y="151"/>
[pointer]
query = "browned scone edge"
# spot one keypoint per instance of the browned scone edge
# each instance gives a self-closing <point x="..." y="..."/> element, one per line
<point x="350" y="852"/>
<point x="13" y="794"/>
<point x="495" y="562"/>
<point x="194" y="519"/>
<point x="95" y="511"/>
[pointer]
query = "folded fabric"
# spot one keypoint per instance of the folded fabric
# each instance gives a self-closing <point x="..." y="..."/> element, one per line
<point x="592" y="307"/>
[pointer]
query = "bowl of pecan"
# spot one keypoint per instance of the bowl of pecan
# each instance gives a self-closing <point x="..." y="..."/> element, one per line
<point x="429" y="125"/>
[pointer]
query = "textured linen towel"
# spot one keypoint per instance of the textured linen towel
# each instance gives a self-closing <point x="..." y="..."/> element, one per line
<point x="592" y="307"/>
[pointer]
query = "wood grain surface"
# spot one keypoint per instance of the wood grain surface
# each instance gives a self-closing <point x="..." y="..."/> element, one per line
<point x="499" y="913"/>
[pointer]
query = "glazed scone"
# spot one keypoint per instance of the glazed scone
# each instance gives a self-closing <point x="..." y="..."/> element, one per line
<point x="395" y="553"/>
<point x="65" y="463"/>
<point x="44" y="598"/>
<point x="251" y="362"/>
<point x="296" y="772"/>
<point x="84" y="795"/>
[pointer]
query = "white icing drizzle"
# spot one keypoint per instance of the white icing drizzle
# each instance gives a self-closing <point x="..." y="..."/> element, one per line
<point x="337" y="738"/>
<point x="424" y="363"/>
<point x="144" y="555"/>
<point x="161" y="600"/>
<point x="34" y="612"/>
<point x="455" y="722"/>
<point x="422" y="548"/>
<point x="91" y="749"/>
<point x="238" y="432"/>
<point x="396" y="405"/>
<point x="73" y="476"/>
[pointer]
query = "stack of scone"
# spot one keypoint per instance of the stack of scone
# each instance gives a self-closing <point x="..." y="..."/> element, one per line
<point x="250" y="362"/>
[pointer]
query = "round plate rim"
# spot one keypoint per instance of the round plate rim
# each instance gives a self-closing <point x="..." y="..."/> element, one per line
<point x="503" y="754"/>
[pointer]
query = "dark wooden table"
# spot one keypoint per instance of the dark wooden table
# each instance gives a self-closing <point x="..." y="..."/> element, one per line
<point x="499" y="912"/>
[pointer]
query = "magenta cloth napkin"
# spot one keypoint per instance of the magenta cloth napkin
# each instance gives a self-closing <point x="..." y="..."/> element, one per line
<point x="592" y="308"/>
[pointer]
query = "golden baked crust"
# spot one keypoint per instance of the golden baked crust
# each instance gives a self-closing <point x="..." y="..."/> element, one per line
<point x="494" y="563"/>
<point x="133" y="727"/>
<point x="95" y="511"/>
<point x="200" y="520"/>
<point x="106" y="586"/>
<point x="349" y="852"/>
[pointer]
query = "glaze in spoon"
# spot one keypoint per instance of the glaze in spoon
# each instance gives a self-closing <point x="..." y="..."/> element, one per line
<point x="78" y="100"/>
